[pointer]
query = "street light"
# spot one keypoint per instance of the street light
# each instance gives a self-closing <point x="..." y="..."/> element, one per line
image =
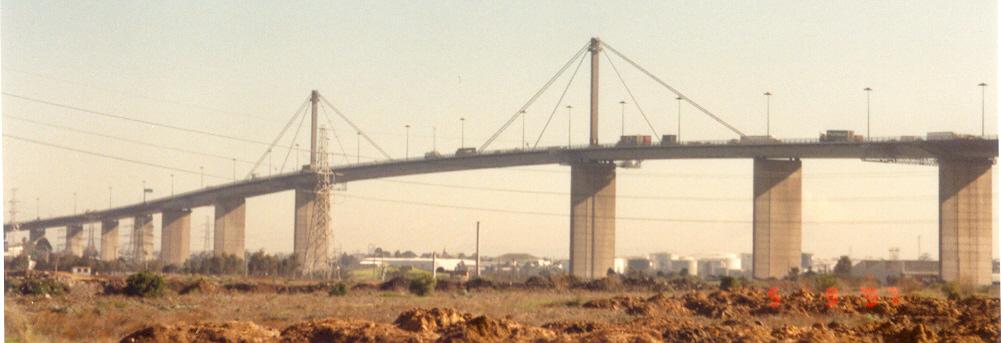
<point x="358" y="147"/>
<point x="569" y="125"/>
<point x="524" y="143"/>
<point x="269" y="162"/>
<point x="201" y="174"/>
<point x="867" y="112"/>
<point x="462" y="132"/>
<point x="234" y="169"/>
<point x="172" y="184"/>
<point x="74" y="202"/>
<point x="768" y="113"/>
<point x="407" y="154"/>
<point x="679" y="119"/>
<point x="109" y="197"/>
<point x="434" y="138"/>
<point x="38" y="208"/>
<point x="623" y="103"/>
<point x="983" y="95"/>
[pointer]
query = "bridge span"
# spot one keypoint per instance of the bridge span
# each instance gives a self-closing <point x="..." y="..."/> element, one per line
<point x="965" y="196"/>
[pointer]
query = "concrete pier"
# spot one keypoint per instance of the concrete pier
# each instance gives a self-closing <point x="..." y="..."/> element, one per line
<point x="965" y="216"/>
<point x="109" y="240"/>
<point x="777" y="226"/>
<point x="175" y="236"/>
<point x="74" y="240"/>
<point x="142" y="238"/>
<point x="304" y="245"/>
<point x="230" y="227"/>
<point x="592" y="219"/>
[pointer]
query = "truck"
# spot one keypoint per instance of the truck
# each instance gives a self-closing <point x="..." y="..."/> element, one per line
<point x="840" y="136"/>
<point x="910" y="138"/>
<point x="668" y="140"/>
<point x="432" y="155"/>
<point x="465" y="151"/>
<point x="634" y="140"/>
<point x="758" y="140"/>
<point x="946" y="135"/>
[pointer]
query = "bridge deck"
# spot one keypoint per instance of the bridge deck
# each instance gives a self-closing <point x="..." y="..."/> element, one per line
<point x="804" y="149"/>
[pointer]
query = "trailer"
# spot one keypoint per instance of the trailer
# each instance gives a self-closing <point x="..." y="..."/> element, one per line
<point x="668" y="140"/>
<point x="840" y="136"/>
<point x="634" y="140"/>
<point x="465" y="151"/>
<point x="432" y="155"/>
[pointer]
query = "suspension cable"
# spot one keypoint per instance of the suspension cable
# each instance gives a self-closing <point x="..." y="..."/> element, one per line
<point x="531" y="100"/>
<point x="630" y="92"/>
<point x="291" y="120"/>
<point x="355" y="127"/>
<point x="334" y="131"/>
<point x="292" y="143"/>
<point x="673" y="90"/>
<point x="558" y="102"/>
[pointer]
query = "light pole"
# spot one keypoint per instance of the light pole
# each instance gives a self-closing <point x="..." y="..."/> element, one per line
<point x="679" y="119"/>
<point x="201" y="174"/>
<point x="569" y="125"/>
<point x="983" y="108"/>
<point x="358" y="147"/>
<point x="867" y="112"/>
<point x="768" y="113"/>
<point x="462" y="132"/>
<point x="434" y="138"/>
<point x="109" y="197"/>
<point x="144" y="191"/>
<point x="407" y="154"/>
<point x="74" y="202"/>
<point x="269" y="162"/>
<point x="38" y="208"/>
<point x="234" y="169"/>
<point x="623" y="103"/>
<point x="524" y="143"/>
<point x="297" y="152"/>
<point x="172" y="184"/>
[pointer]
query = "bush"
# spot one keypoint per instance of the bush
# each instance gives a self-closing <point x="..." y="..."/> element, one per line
<point x="825" y="281"/>
<point x="728" y="283"/>
<point x="954" y="291"/>
<point x="340" y="289"/>
<point x="422" y="285"/>
<point x="144" y="284"/>
<point x="43" y="286"/>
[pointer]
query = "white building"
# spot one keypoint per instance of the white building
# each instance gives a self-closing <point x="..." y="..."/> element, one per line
<point x="424" y="263"/>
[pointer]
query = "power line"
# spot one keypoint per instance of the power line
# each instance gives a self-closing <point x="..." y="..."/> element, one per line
<point x="127" y="140"/>
<point x="628" y="218"/>
<point x="646" y="197"/>
<point x="149" y="164"/>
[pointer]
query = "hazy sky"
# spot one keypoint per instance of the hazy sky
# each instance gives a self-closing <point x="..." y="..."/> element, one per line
<point x="241" y="69"/>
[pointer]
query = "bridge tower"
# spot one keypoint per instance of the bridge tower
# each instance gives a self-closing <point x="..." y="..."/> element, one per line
<point x="592" y="200"/>
<point x="965" y="214"/>
<point x="312" y="205"/>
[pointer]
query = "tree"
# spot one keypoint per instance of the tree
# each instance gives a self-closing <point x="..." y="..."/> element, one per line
<point x="844" y="266"/>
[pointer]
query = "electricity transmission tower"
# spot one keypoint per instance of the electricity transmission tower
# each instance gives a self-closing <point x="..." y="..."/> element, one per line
<point x="318" y="235"/>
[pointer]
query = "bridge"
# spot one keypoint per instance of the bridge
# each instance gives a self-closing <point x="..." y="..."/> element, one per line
<point x="965" y="192"/>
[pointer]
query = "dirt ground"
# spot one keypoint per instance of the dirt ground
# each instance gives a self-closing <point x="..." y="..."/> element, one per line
<point x="217" y="310"/>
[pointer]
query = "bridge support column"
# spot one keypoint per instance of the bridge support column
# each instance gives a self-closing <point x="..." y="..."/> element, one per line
<point x="592" y="219"/>
<point x="230" y="227"/>
<point x="142" y="238"/>
<point x="778" y="222"/>
<point x="305" y="245"/>
<point x="36" y="236"/>
<point x="965" y="214"/>
<point x="175" y="236"/>
<point x="74" y="239"/>
<point x="109" y="240"/>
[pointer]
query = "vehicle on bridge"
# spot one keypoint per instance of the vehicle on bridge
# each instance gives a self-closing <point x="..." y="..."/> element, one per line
<point x="840" y="136"/>
<point x="465" y="151"/>
<point x="668" y="140"/>
<point x="947" y="135"/>
<point x="634" y="140"/>
<point x="432" y="155"/>
<point x="755" y="140"/>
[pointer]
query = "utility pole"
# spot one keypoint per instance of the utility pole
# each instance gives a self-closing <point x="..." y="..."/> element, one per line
<point x="623" y="103"/>
<point x="477" y="249"/>
<point x="768" y="114"/>
<point x="434" y="138"/>
<point x="314" y="99"/>
<point x="462" y="132"/>
<point x="595" y="50"/>
<point x="569" y="126"/>
<point x="13" y="207"/>
<point x="983" y="109"/>
<point x="867" y="102"/>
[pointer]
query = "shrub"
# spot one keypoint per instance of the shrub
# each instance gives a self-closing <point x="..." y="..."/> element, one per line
<point x="339" y="289"/>
<point x="728" y="283"/>
<point x="144" y="284"/>
<point x="422" y="285"/>
<point x="43" y="286"/>
<point x="825" y="281"/>
<point x="955" y="291"/>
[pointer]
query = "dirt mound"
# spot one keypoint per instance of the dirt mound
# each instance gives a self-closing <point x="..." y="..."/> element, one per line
<point x="234" y="331"/>
<point x="423" y="320"/>
<point x="343" y="330"/>
<point x="615" y="303"/>
<point x="486" y="329"/>
<point x="574" y="327"/>
<point x="201" y="286"/>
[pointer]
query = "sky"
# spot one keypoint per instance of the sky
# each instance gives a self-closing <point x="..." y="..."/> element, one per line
<point x="241" y="69"/>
